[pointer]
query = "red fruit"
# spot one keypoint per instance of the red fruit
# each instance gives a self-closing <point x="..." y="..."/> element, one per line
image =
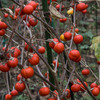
<point x="33" y="22"/>
<point x="4" y="68"/>
<point x="86" y="6"/>
<point x="28" y="24"/>
<point x="84" y="11"/>
<point x="20" y="86"/>
<point x="82" y="87"/>
<point x="98" y="87"/>
<point x="67" y="35"/>
<point x="27" y="47"/>
<point x="19" y="77"/>
<point x="85" y="72"/>
<point x="95" y="91"/>
<point x="14" y="92"/>
<point x="78" y="59"/>
<point x="76" y="30"/>
<point x="8" y="97"/>
<point x="41" y="50"/>
<point x="54" y="62"/>
<point x="13" y="62"/>
<point x="27" y="72"/>
<point x="68" y="94"/>
<point x="34" y="60"/>
<point x="44" y="91"/>
<point x="78" y="80"/>
<point x="51" y="44"/>
<point x="3" y="25"/>
<point x="33" y="4"/>
<point x="63" y="20"/>
<point x="5" y="15"/>
<point x="75" y="87"/>
<point x="28" y="9"/>
<point x="98" y="62"/>
<point x="81" y="6"/>
<point x="17" y="11"/>
<point x="93" y="85"/>
<point x="74" y="55"/>
<point x="2" y="32"/>
<point x="16" y="53"/>
<point x="78" y="39"/>
<point x="59" y="48"/>
<point x="58" y="7"/>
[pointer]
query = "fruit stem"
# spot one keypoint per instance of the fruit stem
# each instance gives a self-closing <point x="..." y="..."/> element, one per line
<point x="39" y="70"/>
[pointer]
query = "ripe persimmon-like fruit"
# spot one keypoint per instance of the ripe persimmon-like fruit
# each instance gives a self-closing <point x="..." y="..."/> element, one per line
<point x="12" y="62"/>
<point x="52" y="44"/>
<point x="3" y="25"/>
<point x="58" y="7"/>
<point x="27" y="47"/>
<point x="34" y="60"/>
<point x="19" y="76"/>
<point x="75" y="87"/>
<point x="74" y="55"/>
<point x="27" y="72"/>
<point x="54" y="62"/>
<point x="98" y="62"/>
<point x="98" y="87"/>
<point x="82" y="87"/>
<point x="41" y="49"/>
<point x="16" y="52"/>
<point x="2" y="32"/>
<point x="33" y="22"/>
<point x="4" y="68"/>
<point x="85" y="72"/>
<point x="68" y="94"/>
<point x="8" y="97"/>
<point x="59" y="48"/>
<point x="33" y="4"/>
<point x="28" y="9"/>
<point x="84" y="11"/>
<point x="67" y="35"/>
<point x="44" y="91"/>
<point x="14" y="93"/>
<point x="63" y="20"/>
<point x="78" y="39"/>
<point x="95" y="91"/>
<point x="76" y="30"/>
<point x="93" y="85"/>
<point x="5" y="15"/>
<point x="81" y="6"/>
<point x="20" y="86"/>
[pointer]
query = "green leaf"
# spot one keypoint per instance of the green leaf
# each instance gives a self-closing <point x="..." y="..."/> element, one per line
<point x="84" y="47"/>
<point x="96" y="46"/>
<point x="84" y="22"/>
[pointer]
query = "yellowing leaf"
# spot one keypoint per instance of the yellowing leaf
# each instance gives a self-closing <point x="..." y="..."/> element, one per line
<point x="7" y="10"/>
<point x="54" y="12"/>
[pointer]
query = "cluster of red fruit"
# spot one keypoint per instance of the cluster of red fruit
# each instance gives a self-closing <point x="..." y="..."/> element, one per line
<point x="95" y="89"/>
<point x="12" y="62"/>
<point x="27" y="10"/>
<point x="3" y="26"/>
<point x="44" y="91"/>
<point x="82" y="7"/>
<point x="57" y="46"/>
